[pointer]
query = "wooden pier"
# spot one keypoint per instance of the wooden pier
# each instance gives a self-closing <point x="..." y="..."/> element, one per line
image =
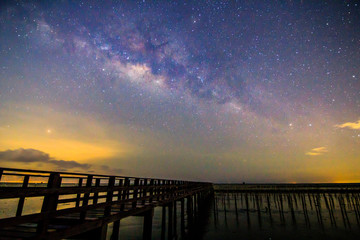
<point x="75" y="205"/>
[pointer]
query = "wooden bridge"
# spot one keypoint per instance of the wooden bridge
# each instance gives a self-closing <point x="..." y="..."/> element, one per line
<point x="60" y="205"/>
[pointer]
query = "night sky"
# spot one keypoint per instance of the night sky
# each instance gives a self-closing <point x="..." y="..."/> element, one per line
<point x="221" y="91"/>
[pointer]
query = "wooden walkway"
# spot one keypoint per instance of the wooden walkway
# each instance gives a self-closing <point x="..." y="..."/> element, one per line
<point x="81" y="205"/>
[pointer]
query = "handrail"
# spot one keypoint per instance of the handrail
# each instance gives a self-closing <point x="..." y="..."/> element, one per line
<point x="78" y="174"/>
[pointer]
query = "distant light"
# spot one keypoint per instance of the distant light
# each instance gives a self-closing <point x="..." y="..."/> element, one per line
<point x="290" y="125"/>
<point x="48" y="131"/>
<point x="310" y="125"/>
<point x="353" y="76"/>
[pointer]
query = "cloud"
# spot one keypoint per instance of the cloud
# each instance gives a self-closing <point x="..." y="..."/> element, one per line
<point x="351" y="125"/>
<point x="110" y="170"/>
<point x="32" y="155"/>
<point x="317" y="151"/>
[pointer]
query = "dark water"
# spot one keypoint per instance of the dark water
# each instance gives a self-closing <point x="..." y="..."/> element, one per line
<point x="263" y="216"/>
<point x="284" y="216"/>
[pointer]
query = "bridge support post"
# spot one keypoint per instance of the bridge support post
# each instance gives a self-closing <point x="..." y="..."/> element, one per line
<point x="175" y="218"/>
<point x="199" y="201"/>
<point x="101" y="232"/>
<point x="147" y="227"/>
<point x="163" y="222"/>
<point x="189" y="211"/>
<point x="195" y="204"/>
<point x="170" y="221"/>
<point x="116" y="229"/>
<point x="182" y="218"/>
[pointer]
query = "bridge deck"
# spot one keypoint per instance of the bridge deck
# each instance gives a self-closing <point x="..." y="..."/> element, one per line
<point x="68" y="204"/>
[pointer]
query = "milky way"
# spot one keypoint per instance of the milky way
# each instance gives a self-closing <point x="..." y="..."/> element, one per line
<point x="256" y="91"/>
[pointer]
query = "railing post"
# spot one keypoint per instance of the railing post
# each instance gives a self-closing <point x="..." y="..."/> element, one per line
<point x="120" y="192"/>
<point x="1" y="173"/>
<point x="160" y="182"/>
<point x="116" y="225"/>
<point x="49" y="202"/>
<point x="144" y="192"/>
<point x="170" y="189"/>
<point x="125" y="193"/>
<point x="102" y="231"/>
<point x="151" y="190"/>
<point x="78" y="196"/>
<point x="128" y="190"/>
<point x="86" y="197"/>
<point x="22" y="199"/>
<point x="165" y="189"/>
<point x="109" y="195"/>
<point x="96" y="194"/>
<point x="135" y="192"/>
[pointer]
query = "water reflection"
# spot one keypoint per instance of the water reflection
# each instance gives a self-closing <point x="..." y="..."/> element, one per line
<point x="263" y="216"/>
<point x="284" y="215"/>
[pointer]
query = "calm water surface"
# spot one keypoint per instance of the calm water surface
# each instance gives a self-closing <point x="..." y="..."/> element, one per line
<point x="265" y="216"/>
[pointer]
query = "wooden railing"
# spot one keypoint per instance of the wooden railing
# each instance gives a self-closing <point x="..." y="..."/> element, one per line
<point x="100" y="198"/>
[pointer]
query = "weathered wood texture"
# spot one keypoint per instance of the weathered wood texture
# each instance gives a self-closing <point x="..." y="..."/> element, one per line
<point x="74" y="203"/>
